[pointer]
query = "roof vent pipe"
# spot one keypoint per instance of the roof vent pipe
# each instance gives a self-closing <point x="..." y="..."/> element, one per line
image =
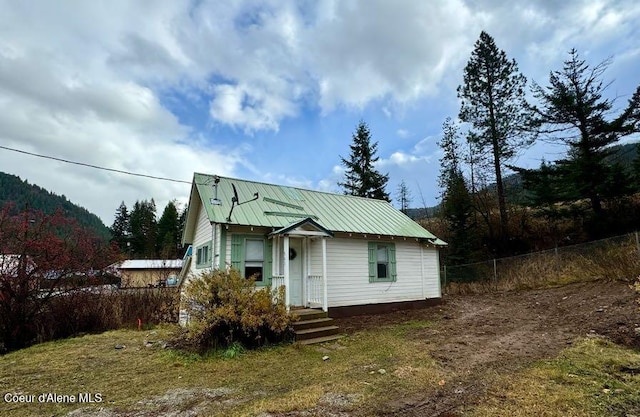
<point x="215" y="200"/>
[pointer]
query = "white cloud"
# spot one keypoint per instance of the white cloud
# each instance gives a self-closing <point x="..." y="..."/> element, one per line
<point x="402" y="133"/>
<point x="401" y="159"/>
<point x="359" y="48"/>
<point x="63" y="96"/>
<point x="88" y="81"/>
<point x="247" y="108"/>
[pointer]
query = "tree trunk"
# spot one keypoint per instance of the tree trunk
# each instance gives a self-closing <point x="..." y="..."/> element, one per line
<point x="502" y="204"/>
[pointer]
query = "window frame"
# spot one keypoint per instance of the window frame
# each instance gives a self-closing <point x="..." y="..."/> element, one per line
<point x="203" y="263"/>
<point x="238" y="255"/>
<point x="391" y="263"/>
<point x="254" y="261"/>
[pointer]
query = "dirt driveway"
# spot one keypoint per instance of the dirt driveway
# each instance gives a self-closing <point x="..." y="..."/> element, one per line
<point x="479" y="335"/>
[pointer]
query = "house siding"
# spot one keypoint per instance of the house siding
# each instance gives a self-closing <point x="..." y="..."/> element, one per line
<point x="202" y="236"/>
<point x="348" y="274"/>
<point x="431" y="271"/>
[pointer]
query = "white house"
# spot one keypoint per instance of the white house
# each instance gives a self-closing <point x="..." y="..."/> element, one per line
<point x="336" y="252"/>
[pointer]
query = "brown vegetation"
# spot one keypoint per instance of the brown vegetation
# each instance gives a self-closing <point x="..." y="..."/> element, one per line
<point x="610" y="260"/>
<point x="224" y="308"/>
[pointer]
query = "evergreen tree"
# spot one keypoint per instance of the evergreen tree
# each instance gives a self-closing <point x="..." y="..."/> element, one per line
<point x="403" y="196"/>
<point x="120" y="228"/>
<point x="361" y="178"/>
<point x="636" y="169"/>
<point x="493" y="102"/>
<point x="573" y="110"/>
<point x="143" y="229"/>
<point x="457" y="209"/>
<point x="457" y="204"/>
<point x="182" y="223"/>
<point x="169" y="232"/>
<point x="450" y="161"/>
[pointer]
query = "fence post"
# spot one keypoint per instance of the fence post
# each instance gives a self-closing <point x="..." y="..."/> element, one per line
<point x="495" y="272"/>
<point x="445" y="276"/>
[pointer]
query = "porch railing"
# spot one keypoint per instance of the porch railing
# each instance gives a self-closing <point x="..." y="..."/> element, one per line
<point x="277" y="281"/>
<point x="315" y="290"/>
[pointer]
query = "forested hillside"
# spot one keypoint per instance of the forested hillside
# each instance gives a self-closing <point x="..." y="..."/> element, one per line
<point x="24" y="195"/>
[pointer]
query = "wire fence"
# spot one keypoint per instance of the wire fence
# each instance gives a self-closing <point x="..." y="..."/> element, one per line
<point x="619" y="254"/>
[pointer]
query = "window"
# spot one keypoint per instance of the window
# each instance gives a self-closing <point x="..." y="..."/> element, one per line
<point x="251" y="256"/>
<point x="203" y="256"/>
<point x="254" y="258"/>
<point x="382" y="262"/>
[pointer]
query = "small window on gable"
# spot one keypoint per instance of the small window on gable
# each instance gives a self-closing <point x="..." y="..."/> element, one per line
<point x="382" y="262"/>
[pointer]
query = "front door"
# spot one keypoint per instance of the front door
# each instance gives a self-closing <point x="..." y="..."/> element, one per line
<point x="295" y="271"/>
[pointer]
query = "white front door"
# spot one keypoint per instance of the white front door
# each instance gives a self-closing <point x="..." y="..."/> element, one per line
<point x="295" y="271"/>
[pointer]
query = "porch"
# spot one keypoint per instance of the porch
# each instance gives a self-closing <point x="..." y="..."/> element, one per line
<point x="299" y="254"/>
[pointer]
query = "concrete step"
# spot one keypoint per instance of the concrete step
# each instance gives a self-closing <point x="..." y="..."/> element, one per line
<point x="320" y="339"/>
<point x="316" y="332"/>
<point x="309" y="324"/>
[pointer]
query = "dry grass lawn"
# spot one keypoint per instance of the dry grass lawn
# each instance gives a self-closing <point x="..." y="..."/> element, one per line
<point x="369" y="368"/>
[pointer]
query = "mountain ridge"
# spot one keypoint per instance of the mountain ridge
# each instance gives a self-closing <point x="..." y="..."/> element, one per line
<point x="22" y="194"/>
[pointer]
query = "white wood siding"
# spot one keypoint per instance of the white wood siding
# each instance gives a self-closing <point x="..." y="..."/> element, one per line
<point x="202" y="235"/>
<point x="348" y="274"/>
<point x="431" y="268"/>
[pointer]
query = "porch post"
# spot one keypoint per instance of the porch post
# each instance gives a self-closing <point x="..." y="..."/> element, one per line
<point x="325" y="305"/>
<point x="274" y="259"/>
<point x="305" y="269"/>
<point x="287" y="288"/>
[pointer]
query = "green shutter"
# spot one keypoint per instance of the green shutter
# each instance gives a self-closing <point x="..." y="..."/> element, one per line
<point x="392" y="260"/>
<point x="373" y="271"/>
<point x="223" y="247"/>
<point x="237" y="253"/>
<point x="268" y="261"/>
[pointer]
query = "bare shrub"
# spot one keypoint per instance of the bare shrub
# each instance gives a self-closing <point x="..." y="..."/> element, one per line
<point x="225" y="308"/>
<point x="92" y="311"/>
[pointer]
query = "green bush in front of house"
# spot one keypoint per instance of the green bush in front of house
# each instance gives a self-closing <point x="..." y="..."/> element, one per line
<point x="226" y="309"/>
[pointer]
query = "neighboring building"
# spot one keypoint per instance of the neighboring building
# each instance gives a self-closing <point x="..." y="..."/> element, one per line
<point x="148" y="272"/>
<point x="330" y="251"/>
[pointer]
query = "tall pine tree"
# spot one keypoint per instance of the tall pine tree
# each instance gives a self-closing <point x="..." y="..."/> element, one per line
<point x="573" y="110"/>
<point x="120" y="228"/>
<point x="361" y="178"/>
<point x="169" y="232"/>
<point x="403" y="196"/>
<point x="143" y="229"/>
<point x="493" y="102"/>
<point x="457" y="204"/>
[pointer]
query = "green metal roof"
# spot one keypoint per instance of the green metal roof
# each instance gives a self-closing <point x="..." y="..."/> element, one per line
<point x="280" y="206"/>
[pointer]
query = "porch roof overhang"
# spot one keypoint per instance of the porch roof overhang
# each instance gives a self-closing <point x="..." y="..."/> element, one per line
<point x="304" y="227"/>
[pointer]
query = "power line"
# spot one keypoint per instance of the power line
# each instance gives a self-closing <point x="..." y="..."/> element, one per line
<point x="119" y="171"/>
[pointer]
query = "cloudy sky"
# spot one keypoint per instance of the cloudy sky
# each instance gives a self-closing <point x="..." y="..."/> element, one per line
<point x="265" y="90"/>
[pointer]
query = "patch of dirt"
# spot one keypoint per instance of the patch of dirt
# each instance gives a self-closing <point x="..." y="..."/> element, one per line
<point x="179" y="402"/>
<point x="482" y="335"/>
